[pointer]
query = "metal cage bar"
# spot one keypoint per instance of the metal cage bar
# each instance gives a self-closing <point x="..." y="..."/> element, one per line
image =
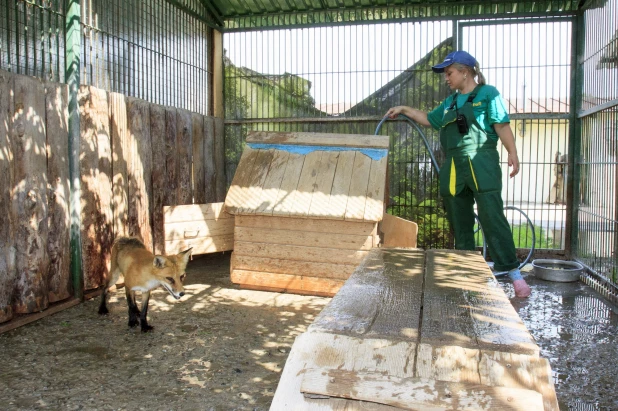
<point x="155" y="50"/>
<point x="596" y="232"/>
<point x="340" y="79"/>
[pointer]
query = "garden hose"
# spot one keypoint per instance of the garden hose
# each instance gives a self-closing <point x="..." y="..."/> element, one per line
<point x="437" y="168"/>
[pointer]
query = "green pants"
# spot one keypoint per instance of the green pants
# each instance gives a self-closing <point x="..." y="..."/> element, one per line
<point x="476" y="177"/>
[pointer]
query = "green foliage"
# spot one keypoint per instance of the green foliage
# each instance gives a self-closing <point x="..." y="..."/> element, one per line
<point x="433" y="227"/>
<point x="522" y="236"/>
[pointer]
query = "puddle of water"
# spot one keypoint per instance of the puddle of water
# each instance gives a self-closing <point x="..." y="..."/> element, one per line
<point x="577" y="331"/>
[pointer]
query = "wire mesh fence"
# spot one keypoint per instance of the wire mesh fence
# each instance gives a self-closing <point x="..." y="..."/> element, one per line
<point x="32" y="41"/>
<point x="343" y="79"/>
<point x="597" y="218"/>
<point x="151" y="49"/>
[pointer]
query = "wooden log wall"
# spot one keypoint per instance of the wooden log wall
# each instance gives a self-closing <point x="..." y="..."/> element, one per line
<point x="135" y="158"/>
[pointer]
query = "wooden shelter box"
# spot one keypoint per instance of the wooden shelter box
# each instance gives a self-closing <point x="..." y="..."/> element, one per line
<point x="306" y="209"/>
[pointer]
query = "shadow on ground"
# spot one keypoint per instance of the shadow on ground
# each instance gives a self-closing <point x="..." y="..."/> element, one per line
<point x="218" y="348"/>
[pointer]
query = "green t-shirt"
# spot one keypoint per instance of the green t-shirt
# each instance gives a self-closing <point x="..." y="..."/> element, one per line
<point x="488" y="106"/>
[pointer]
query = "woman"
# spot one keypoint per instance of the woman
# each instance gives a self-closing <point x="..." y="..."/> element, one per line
<point x="470" y="122"/>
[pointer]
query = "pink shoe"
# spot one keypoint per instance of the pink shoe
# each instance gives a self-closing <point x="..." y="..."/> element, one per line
<point x="521" y="288"/>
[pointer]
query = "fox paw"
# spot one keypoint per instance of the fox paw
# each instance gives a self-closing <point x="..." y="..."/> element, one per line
<point x="133" y="323"/>
<point x="103" y="311"/>
<point x="147" y="328"/>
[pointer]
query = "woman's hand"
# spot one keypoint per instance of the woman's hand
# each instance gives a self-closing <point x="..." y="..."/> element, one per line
<point x="508" y="141"/>
<point x="393" y="112"/>
<point x="417" y="115"/>
<point x="514" y="162"/>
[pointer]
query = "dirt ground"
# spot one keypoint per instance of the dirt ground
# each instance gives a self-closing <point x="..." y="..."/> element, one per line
<point x="222" y="348"/>
<point x="218" y="348"/>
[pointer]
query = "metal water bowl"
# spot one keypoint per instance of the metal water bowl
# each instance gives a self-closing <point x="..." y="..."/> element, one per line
<point x="557" y="270"/>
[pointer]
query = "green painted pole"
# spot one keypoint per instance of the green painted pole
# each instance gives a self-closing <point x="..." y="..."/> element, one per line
<point x="72" y="62"/>
<point x="575" y="137"/>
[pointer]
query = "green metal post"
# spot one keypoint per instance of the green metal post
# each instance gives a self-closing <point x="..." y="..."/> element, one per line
<point x="72" y="63"/>
<point x="575" y="135"/>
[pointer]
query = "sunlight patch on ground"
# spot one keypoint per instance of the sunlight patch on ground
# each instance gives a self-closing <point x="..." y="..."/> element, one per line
<point x="271" y="366"/>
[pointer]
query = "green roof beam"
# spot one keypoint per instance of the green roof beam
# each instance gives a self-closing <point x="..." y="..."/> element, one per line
<point x="213" y="10"/>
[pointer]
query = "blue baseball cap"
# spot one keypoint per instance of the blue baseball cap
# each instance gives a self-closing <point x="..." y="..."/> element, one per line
<point x="460" y="57"/>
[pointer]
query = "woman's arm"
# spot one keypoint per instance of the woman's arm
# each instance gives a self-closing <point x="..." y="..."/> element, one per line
<point x="508" y="141"/>
<point x="417" y="115"/>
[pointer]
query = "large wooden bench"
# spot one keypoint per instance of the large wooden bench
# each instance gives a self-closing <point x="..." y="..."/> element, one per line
<point x="423" y="330"/>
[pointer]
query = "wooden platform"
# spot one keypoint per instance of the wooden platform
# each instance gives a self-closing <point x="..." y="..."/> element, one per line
<point x="207" y="228"/>
<point x="417" y="330"/>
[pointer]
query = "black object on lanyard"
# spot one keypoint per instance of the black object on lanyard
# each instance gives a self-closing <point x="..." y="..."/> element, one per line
<point x="462" y="122"/>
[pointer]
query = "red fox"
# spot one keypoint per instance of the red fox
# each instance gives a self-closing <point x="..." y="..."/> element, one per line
<point x="143" y="271"/>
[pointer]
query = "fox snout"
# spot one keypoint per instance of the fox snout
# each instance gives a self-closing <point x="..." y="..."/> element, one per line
<point x="176" y="295"/>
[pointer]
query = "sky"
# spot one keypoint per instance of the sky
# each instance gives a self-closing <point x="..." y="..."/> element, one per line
<point x="348" y="63"/>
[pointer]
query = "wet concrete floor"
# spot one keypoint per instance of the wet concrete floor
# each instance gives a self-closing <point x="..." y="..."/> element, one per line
<point x="577" y="331"/>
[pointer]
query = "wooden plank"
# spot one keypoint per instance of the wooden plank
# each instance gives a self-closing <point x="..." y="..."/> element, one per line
<point x="199" y="174"/>
<point x="357" y="195"/>
<point x="488" y="368"/>
<point x="381" y="299"/>
<point x="218" y="75"/>
<point x="319" y="139"/>
<point x="160" y="184"/>
<point x="374" y="206"/>
<point x="398" y="232"/>
<point x="236" y="195"/>
<point x="290" y="283"/>
<point x="448" y="363"/>
<point x="194" y="212"/>
<point x="416" y="393"/>
<point x="338" y="201"/>
<point x="519" y="371"/>
<point x="172" y="167"/>
<point x="307" y="224"/>
<point x="140" y="171"/>
<point x="309" y="239"/>
<point x="299" y="200"/>
<point x="293" y="168"/>
<point x="121" y="156"/>
<point x="320" y="200"/>
<point x="7" y="229"/>
<point x="30" y="318"/>
<point x="30" y="197"/>
<point x="253" y="194"/>
<point x="299" y="253"/>
<point x="206" y="227"/>
<point x="323" y="350"/>
<point x="210" y="184"/>
<point x="272" y="183"/>
<point x="219" y="145"/>
<point x="279" y="266"/>
<point x="199" y="229"/>
<point x="184" y="130"/>
<point x="58" y="242"/>
<point x="201" y="245"/>
<point x="96" y="185"/>
<point x="465" y="306"/>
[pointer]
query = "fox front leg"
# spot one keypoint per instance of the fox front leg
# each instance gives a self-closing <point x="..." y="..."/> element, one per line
<point x="144" y="315"/>
<point x="133" y="310"/>
<point x="103" y="306"/>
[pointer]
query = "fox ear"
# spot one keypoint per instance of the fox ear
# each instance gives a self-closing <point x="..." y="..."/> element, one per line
<point x="158" y="261"/>
<point x="185" y="255"/>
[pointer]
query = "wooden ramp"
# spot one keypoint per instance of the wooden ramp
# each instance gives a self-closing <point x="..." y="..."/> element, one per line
<point x="417" y="330"/>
